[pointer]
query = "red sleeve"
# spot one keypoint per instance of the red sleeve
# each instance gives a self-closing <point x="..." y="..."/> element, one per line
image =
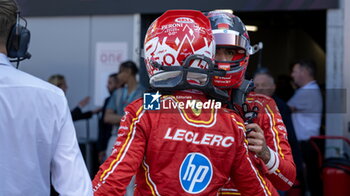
<point x="243" y="173"/>
<point x="116" y="172"/>
<point x="281" y="169"/>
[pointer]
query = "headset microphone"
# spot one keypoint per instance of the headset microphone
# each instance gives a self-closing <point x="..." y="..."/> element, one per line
<point x="18" y="41"/>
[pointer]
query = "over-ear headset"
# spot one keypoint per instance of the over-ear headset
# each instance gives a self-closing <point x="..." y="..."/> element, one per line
<point x="18" y="41"/>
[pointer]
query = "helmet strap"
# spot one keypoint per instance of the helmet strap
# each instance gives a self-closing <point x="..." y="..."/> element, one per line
<point x="208" y="88"/>
<point x="238" y="95"/>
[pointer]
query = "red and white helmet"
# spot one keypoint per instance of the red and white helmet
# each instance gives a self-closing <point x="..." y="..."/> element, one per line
<point x="230" y="32"/>
<point x="179" y="51"/>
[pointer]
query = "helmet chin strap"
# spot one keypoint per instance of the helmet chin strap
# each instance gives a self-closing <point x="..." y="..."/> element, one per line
<point x="182" y="83"/>
<point x="238" y="95"/>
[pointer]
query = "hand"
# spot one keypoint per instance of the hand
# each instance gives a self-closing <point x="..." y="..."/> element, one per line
<point x="84" y="102"/>
<point x="97" y="110"/>
<point x="257" y="143"/>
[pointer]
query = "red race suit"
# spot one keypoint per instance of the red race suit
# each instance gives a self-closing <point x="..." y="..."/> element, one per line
<point x="179" y="151"/>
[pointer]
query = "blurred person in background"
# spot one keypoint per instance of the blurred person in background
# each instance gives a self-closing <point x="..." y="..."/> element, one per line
<point x="306" y="106"/>
<point x="105" y="129"/>
<point x="38" y="145"/>
<point x="264" y="84"/>
<point x="77" y="113"/>
<point x="121" y="97"/>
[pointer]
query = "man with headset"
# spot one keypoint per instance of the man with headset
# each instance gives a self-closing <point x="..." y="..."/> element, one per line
<point x="37" y="136"/>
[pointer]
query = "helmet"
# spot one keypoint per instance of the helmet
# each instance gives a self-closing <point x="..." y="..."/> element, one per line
<point x="179" y="50"/>
<point x="230" y="35"/>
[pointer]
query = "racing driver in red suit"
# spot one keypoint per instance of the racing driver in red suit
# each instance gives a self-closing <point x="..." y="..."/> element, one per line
<point x="182" y="143"/>
<point x="267" y="137"/>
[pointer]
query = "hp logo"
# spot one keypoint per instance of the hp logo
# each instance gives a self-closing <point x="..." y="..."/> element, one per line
<point x="195" y="173"/>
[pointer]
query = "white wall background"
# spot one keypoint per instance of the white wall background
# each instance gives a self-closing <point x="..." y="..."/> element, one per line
<point x="66" y="45"/>
<point x="337" y="71"/>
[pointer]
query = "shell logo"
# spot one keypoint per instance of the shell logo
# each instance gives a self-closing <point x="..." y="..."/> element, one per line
<point x="184" y="20"/>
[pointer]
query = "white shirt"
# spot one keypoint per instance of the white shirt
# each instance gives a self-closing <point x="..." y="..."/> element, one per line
<point x="307" y="118"/>
<point x="37" y="137"/>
